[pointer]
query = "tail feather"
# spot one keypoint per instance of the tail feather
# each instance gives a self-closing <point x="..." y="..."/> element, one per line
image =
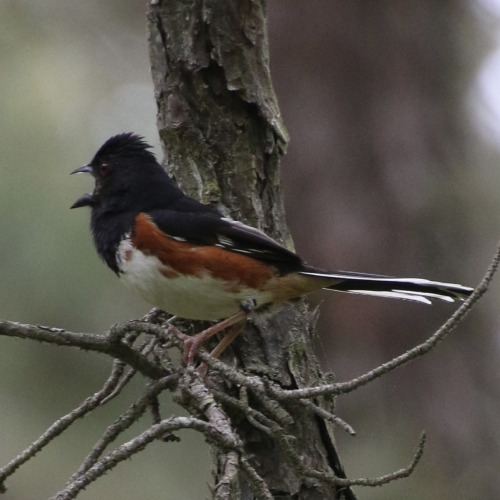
<point x="415" y="289"/>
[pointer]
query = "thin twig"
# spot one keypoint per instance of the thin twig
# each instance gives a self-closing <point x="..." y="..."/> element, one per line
<point x="393" y="476"/>
<point x="122" y="424"/>
<point x="326" y="415"/>
<point x="126" y="450"/>
<point x="144" y="350"/>
<point x="258" y="483"/>
<point x="253" y="416"/>
<point x="254" y="384"/>
<point x="109" y="344"/>
<point x="64" y="422"/>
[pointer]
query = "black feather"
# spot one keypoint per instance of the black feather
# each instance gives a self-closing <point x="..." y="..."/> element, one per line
<point x="130" y="181"/>
<point x="126" y="145"/>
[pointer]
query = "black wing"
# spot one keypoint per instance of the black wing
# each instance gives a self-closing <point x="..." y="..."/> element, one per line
<point x="201" y="225"/>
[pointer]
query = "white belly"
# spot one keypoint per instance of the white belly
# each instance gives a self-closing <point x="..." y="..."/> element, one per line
<point x="190" y="297"/>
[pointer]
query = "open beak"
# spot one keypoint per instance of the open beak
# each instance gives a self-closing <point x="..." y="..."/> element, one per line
<point x="85" y="169"/>
<point x="87" y="200"/>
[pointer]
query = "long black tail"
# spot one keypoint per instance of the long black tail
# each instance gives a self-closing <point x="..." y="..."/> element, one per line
<point x="416" y="289"/>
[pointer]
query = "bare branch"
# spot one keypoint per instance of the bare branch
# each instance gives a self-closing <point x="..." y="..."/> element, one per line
<point x="145" y="350"/>
<point x="64" y="422"/>
<point x="260" y="486"/>
<point x="328" y="416"/>
<point x="110" y="344"/>
<point x="393" y="476"/>
<point x="137" y="444"/>
<point x="253" y="416"/>
<point x="253" y="383"/>
<point x="117" y="345"/>
<point x="123" y="423"/>
<point x="227" y="487"/>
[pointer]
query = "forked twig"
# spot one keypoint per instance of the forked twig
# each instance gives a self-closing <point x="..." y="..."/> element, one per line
<point x="128" y="449"/>
<point x="122" y="423"/>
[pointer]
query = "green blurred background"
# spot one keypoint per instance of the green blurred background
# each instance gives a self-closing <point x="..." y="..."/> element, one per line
<point x="393" y="167"/>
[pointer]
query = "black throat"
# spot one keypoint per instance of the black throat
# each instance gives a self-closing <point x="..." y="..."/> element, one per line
<point x="108" y="229"/>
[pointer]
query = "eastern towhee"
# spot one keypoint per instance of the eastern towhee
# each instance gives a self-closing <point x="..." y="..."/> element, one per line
<point x="191" y="261"/>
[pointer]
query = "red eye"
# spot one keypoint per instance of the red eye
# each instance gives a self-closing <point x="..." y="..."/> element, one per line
<point x="104" y="170"/>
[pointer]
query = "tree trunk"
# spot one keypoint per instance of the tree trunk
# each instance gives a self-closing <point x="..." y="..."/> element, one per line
<point x="219" y="120"/>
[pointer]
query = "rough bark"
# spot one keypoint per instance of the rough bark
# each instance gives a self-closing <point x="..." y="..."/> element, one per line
<point x="219" y="120"/>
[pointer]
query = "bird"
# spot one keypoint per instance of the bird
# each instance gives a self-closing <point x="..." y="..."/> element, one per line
<point x="192" y="261"/>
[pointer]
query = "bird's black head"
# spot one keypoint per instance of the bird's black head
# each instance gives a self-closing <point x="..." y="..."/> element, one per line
<point x="127" y="176"/>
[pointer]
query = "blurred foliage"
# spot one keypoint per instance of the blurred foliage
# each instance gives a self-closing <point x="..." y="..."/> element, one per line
<point x="75" y="73"/>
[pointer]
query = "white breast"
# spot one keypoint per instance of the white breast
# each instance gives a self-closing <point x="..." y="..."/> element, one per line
<point x="191" y="297"/>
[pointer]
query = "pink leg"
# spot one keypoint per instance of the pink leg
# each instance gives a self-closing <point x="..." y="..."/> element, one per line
<point x="227" y="340"/>
<point x="223" y="345"/>
<point x="191" y="343"/>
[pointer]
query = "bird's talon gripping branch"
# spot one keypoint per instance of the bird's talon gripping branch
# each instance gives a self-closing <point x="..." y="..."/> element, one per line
<point x="193" y="342"/>
<point x="173" y="330"/>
